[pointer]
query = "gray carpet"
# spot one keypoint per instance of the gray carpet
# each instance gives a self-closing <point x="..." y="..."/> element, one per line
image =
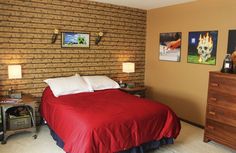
<point x="189" y="141"/>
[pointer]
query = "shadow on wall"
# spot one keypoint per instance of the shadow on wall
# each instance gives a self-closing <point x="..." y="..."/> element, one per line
<point x="184" y="107"/>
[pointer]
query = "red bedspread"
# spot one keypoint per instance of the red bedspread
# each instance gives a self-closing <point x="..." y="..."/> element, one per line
<point x="107" y="121"/>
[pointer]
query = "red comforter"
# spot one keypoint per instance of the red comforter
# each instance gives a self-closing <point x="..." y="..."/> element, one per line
<point x="107" y="121"/>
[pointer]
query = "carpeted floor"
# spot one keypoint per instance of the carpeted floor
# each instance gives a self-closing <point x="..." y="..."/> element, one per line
<point x="189" y="141"/>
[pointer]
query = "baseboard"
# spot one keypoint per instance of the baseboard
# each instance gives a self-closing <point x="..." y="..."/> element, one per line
<point x="192" y="123"/>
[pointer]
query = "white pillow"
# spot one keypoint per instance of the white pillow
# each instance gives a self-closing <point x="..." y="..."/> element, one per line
<point x="101" y="82"/>
<point x="68" y="85"/>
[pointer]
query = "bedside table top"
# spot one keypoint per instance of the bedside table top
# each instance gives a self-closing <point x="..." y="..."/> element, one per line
<point x="26" y="99"/>
<point x="134" y="89"/>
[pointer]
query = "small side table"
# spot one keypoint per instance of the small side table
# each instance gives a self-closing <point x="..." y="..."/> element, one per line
<point x="26" y="101"/>
<point x="137" y="91"/>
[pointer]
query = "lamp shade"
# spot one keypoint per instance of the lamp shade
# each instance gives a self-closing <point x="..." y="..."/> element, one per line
<point x="128" y="67"/>
<point x="14" y="72"/>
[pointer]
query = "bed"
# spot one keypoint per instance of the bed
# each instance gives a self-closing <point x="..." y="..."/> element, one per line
<point x="107" y="121"/>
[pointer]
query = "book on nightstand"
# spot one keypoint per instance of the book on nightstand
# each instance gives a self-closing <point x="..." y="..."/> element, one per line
<point x="10" y="101"/>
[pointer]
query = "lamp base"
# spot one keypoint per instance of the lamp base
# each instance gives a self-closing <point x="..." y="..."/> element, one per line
<point x="9" y="92"/>
<point x="130" y="85"/>
<point x="16" y="95"/>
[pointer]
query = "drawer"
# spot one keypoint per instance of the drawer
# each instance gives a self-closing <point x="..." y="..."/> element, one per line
<point x="221" y="115"/>
<point x="222" y="83"/>
<point x="221" y="133"/>
<point x="222" y="100"/>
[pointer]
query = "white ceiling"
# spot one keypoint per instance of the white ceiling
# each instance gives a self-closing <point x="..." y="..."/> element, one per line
<point x="145" y="4"/>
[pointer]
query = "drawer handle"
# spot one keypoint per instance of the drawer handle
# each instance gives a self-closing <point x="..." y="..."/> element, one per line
<point x="213" y="99"/>
<point x="214" y="84"/>
<point x="212" y="113"/>
<point x="210" y="127"/>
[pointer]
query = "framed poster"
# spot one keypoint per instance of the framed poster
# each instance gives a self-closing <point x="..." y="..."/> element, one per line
<point x="170" y="46"/>
<point x="232" y="47"/>
<point x="231" y="42"/>
<point x="75" y="39"/>
<point x="202" y="47"/>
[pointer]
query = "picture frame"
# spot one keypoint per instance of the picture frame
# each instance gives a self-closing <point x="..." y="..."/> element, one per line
<point x="75" y="39"/>
<point x="231" y="49"/>
<point x="170" y="46"/>
<point x="202" y="47"/>
<point x="231" y="42"/>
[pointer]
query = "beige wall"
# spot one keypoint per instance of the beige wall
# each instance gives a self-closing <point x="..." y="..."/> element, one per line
<point x="181" y="85"/>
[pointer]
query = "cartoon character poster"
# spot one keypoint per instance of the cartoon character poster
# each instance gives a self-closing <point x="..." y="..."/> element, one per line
<point x="202" y="47"/>
<point x="170" y="45"/>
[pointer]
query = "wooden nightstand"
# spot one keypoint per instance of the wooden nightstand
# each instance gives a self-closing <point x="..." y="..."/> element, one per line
<point x="137" y="91"/>
<point x="28" y="102"/>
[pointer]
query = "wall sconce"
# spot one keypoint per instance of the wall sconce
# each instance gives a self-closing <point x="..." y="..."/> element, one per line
<point x="54" y="36"/>
<point x="14" y="72"/>
<point x="99" y="37"/>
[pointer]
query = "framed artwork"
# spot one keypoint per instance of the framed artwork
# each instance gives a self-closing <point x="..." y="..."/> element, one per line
<point x="202" y="47"/>
<point x="170" y="46"/>
<point x="232" y="47"/>
<point x="75" y="39"/>
<point x="231" y="42"/>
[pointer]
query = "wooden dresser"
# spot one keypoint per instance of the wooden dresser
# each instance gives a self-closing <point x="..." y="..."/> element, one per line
<point x="221" y="109"/>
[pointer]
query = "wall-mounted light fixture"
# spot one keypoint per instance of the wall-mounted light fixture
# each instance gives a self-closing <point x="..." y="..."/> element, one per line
<point x="54" y="36"/>
<point x="99" y="37"/>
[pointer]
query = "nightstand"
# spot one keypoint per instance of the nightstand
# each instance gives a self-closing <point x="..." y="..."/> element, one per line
<point x="28" y="102"/>
<point x="137" y="91"/>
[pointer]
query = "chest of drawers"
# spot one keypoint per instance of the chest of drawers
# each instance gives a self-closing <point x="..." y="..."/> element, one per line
<point x="221" y="109"/>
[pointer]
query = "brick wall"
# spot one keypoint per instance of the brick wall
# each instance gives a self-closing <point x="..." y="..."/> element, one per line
<point x="26" y="28"/>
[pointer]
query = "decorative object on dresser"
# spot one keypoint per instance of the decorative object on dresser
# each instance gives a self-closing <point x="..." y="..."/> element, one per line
<point x="18" y="117"/>
<point x="128" y="67"/>
<point x="137" y="91"/>
<point x="227" y="66"/>
<point x="221" y="109"/>
<point x="233" y="57"/>
<point x="14" y="72"/>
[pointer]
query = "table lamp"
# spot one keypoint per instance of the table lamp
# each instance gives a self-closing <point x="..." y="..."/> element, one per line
<point x="14" y="72"/>
<point x="128" y="67"/>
